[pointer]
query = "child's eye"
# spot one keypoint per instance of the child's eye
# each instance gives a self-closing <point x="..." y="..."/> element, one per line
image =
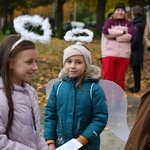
<point x="79" y="62"/>
<point x="68" y="61"/>
<point x="30" y="62"/>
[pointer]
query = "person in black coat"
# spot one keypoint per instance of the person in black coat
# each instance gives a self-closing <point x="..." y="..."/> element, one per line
<point x="139" y="21"/>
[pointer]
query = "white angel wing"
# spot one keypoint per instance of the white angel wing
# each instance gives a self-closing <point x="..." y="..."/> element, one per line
<point x="117" y="109"/>
<point x="50" y="86"/>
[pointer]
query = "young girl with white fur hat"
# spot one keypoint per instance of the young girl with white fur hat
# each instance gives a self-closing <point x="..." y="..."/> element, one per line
<point x="76" y="107"/>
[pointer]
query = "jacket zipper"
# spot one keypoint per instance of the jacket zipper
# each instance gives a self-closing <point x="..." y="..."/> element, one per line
<point x="61" y="139"/>
<point x="78" y="126"/>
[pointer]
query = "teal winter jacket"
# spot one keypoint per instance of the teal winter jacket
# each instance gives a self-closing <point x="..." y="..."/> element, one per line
<point x="72" y="111"/>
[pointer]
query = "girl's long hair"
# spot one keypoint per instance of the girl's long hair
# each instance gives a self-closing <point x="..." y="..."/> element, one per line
<point x="81" y="78"/>
<point x="5" y="55"/>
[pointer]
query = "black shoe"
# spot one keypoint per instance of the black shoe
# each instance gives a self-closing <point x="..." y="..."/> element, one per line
<point x="134" y="89"/>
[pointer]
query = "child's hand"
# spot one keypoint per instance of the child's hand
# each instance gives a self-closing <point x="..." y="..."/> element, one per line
<point x="79" y="140"/>
<point x="51" y="147"/>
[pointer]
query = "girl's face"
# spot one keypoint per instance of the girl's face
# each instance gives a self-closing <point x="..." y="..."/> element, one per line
<point x="23" y="66"/>
<point x="119" y="13"/>
<point x="75" y="66"/>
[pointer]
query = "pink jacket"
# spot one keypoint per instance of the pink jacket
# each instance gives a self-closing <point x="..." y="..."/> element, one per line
<point x="117" y="38"/>
<point x="22" y="134"/>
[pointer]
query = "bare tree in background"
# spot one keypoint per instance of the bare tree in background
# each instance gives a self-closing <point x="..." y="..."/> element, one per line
<point x="59" y="13"/>
<point x="136" y="2"/>
<point x="100" y="15"/>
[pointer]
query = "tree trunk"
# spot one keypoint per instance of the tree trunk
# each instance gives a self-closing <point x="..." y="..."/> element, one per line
<point x="59" y="13"/>
<point x="11" y="14"/>
<point x="100" y="13"/>
<point x="136" y="2"/>
<point x="6" y="13"/>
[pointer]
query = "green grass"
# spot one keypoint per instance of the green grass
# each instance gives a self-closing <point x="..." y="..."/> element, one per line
<point x="2" y="37"/>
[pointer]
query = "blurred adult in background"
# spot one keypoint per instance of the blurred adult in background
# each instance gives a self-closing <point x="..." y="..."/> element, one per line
<point x="147" y="36"/>
<point x="118" y="32"/>
<point x="147" y="51"/>
<point x="138" y="18"/>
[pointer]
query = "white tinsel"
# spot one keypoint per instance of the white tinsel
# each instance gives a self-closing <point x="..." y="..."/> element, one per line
<point x="21" y="22"/>
<point x="71" y="35"/>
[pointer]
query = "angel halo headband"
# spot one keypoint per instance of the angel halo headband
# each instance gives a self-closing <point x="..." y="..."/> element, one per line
<point x="71" y="35"/>
<point x="21" y="22"/>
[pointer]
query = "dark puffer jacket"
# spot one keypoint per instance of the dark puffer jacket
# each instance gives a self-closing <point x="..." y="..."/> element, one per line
<point x="137" y="45"/>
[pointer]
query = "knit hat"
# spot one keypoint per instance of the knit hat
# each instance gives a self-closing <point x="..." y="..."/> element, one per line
<point x="78" y="50"/>
<point x="120" y="5"/>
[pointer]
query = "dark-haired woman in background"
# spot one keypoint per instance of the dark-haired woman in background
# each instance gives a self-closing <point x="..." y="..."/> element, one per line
<point x="137" y="47"/>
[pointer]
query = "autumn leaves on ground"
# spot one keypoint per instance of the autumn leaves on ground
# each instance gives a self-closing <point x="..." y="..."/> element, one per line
<point x="50" y="62"/>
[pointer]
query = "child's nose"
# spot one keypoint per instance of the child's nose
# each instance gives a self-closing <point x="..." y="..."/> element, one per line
<point x="35" y="67"/>
<point x="72" y="64"/>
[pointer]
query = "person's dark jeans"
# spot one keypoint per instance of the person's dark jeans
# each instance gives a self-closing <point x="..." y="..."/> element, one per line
<point x="137" y="75"/>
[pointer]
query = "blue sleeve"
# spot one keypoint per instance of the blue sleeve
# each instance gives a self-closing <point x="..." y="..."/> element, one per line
<point x="50" y="116"/>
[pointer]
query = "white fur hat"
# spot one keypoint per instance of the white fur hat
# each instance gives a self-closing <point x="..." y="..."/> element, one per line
<point x="78" y="50"/>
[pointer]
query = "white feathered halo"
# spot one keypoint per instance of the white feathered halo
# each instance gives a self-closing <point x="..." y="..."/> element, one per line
<point x="76" y="35"/>
<point x="21" y="23"/>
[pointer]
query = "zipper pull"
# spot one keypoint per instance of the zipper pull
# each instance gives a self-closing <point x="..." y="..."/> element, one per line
<point x="33" y="119"/>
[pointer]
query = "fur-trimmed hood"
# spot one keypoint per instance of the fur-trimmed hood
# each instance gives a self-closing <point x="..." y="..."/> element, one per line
<point x="94" y="72"/>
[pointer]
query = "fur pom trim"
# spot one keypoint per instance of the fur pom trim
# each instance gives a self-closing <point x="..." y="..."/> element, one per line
<point x="94" y="72"/>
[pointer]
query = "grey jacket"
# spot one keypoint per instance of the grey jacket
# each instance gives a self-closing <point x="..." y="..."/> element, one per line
<point x="23" y="136"/>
